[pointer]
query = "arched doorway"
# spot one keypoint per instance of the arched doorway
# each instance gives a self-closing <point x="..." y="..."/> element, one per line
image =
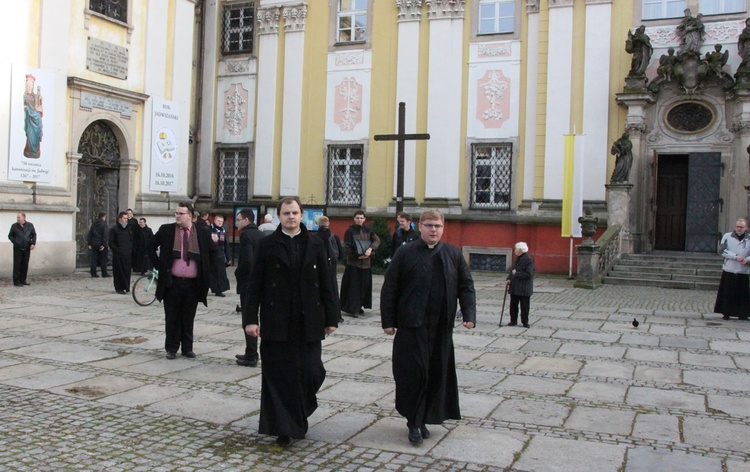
<point x="98" y="182"/>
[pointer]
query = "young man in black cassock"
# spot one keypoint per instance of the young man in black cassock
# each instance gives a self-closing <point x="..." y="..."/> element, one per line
<point x="418" y="304"/>
<point x="291" y="286"/>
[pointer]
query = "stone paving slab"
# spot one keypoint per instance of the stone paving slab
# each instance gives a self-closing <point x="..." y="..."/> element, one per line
<point x="581" y="390"/>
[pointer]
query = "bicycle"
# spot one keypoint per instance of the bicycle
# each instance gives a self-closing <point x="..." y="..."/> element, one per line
<point x="144" y="288"/>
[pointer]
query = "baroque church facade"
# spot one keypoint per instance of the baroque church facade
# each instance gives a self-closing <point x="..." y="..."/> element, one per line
<point x="234" y="103"/>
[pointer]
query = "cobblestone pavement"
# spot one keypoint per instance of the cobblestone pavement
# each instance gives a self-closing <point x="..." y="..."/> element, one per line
<point x="84" y="385"/>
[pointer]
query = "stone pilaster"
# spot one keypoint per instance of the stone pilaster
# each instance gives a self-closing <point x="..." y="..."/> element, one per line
<point x="294" y="18"/>
<point x="448" y="9"/>
<point x="588" y="266"/>
<point x="268" y="20"/>
<point x="409" y="10"/>
<point x="532" y="6"/>
<point x="618" y="212"/>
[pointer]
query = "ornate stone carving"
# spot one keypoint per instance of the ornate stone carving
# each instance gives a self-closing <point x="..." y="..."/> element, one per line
<point x="235" y="115"/>
<point x="561" y="3"/>
<point x="636" y="128"/>
<point x="236" y="67"/>
<point x="409" y="10"/>
<point x="268" y="20"/>
<point x="721" y="32"/>
<point x="294" y="18"/>
<point x="349" y="58"/>
<point x="445" y="8"/>
<point x="348" y="103"/>
<point x="532" y="6"/>
<point x="494" y="49"/>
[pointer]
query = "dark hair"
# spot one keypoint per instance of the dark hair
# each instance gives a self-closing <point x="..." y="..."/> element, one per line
<point x="404" y="215"/>
<point x="187" y="205"/>
<point x="287" y="201"/>
<point x="359" y="212"/>
<point x="246" y="213"/>
<point x="203" y="214"/>
<point x="101" y="215"/>
<point x="121" y="214"/>
<point x="216" y="215"/>
<point x="129" y="210"/>
<point x="142" y="219"/>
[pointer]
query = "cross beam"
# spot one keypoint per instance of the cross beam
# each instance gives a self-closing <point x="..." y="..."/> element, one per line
<point x="401" y="137"/>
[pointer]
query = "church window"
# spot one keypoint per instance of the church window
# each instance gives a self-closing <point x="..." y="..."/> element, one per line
<point x="496" y="16"/>
<point x="345" y="166"/>
<point x="717" y="7"/>
<point x="352" y="21"/>
<point x="491" y="176"/>
<point x="115" y="9"/>
<point x="238" y="33"/>
<point x="654" y="9"/>
<point x="232" y="175"/>
<point x="690" y="117"/>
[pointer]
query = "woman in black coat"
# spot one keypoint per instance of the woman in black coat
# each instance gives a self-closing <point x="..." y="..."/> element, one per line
<point x="521" y="284"/>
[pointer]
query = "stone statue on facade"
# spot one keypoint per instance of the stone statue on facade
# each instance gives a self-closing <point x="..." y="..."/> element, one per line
<point x="666" y="66"/>
<point x="691" y="32"/>
<point x="743" y="44"/>
<point x="639" y="45"/>
<point x="623" y="150"/>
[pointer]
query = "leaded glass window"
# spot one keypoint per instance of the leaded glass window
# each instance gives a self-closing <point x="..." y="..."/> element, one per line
<point x="115" y="9"/>
<point x="496" y="16"/>
<point x="238" y="28"/>
<point x="655" y="9"/>
<point x="232" y="175"/>
<point x="352" y="21"/>
<point x="491" y="176"/>
<point x="345" y="170"/>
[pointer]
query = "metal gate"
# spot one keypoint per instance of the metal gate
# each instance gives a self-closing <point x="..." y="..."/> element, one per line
<point x="98" y="182"/>
<point x="704" y="202"/>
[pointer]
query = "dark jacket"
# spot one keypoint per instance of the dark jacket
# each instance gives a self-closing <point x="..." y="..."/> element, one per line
<point x="271" y="291"/>
<point x="364" y="233"/>
<point x="401" y="237"/>
<point x="522" y="284"/>
<point x="324" y="234"/>
<point x="406" y="288"/>
<point x="97" y="235"/>
<point x="221" y="232"/>
<point x="250" y="236"/>
<point x="121" y="241"/>
<point x="22" y="237"/>
<point x="164" y="241"/>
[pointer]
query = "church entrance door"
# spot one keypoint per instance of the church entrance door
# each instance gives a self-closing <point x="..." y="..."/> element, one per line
<point x="687" y="202"/>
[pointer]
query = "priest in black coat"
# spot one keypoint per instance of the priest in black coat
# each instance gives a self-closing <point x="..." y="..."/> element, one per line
<point x="291" y="288"/>
<point x="418" y="302"/>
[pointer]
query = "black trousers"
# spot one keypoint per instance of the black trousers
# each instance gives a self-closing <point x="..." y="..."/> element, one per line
<point x="98" y="258"/>
<point x="121" y="272"/>
<point x="180" y="304"/>
<point x="516" y="300"/>
<point x="20" y="265"/>
<point x="251" y="342"/>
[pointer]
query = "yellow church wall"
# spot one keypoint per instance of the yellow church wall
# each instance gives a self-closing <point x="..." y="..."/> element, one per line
<point x="622" y="22"/>
<point x="34" y="33"/>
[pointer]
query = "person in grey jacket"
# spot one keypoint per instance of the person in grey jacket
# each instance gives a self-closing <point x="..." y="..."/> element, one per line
<point x="733" y="297"/>
<point x="521" y="284"/>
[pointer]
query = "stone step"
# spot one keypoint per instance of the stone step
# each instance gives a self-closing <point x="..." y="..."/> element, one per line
<point x="624" y="267"/>
<point x="659" y="283"/>
<point x="674" y="258"/>
<point x="675" y="264"/>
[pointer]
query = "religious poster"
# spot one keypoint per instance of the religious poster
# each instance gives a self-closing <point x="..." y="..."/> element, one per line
<point x="32" y="125"/>
<point x="165" y="146"/>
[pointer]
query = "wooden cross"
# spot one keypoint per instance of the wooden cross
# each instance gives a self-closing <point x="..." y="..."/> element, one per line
<point x="401" y="137"/>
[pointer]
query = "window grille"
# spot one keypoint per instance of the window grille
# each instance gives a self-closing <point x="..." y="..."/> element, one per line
<point x="115" y="9"/>
<point x="487" y="262"/>
<point x="496" y="16"/>
<point x="491" y="176"/>
<point x="352" y="21"/>
<point x="654" y="9"/>
<point x="345" y="165"/>
<point x="717" y="7"/>
<point x="232" y="176"/>
<point x="238" y="28"/>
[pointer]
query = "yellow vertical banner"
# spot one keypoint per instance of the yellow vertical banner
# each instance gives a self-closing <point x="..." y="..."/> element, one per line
<point x="567" y="198"/>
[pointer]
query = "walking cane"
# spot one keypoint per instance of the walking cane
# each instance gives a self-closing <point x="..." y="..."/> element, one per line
<point x="502" y="310"/>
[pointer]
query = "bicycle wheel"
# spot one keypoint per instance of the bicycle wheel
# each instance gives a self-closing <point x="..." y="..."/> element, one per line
<point x="144" y="290"/>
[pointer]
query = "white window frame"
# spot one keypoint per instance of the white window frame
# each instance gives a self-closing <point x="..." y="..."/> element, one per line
<point x="723" y="9"/>
<point x="350" y="178"/>
<point x="227" y="29"/>
<point x="496" y="17"/>
<point x="352" y="14"/>
<point x="232" y="174"/>
<point x="500" y="175"/>
<point x="664" y="4"/>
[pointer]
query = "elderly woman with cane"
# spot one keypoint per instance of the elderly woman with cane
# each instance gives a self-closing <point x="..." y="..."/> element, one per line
<point x="520" y="284"/>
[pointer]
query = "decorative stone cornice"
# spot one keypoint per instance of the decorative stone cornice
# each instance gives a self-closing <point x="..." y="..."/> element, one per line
<point x="294" y="18"/>
<point x="440" y="9"/>
<point x="409" y="10"/>
<point x="268" y="20"/>
<point x="597" y="2"/>
<point x="561" y="3"/>
<point x="532" y="6"/>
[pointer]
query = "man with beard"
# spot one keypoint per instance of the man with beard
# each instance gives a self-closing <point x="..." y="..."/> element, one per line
<point x="250" y="236"/>
<point x="360" y="242"/>
<point x="291" y="287"/>
<point x="121" y="244"/>
<point x="418" y="305"/>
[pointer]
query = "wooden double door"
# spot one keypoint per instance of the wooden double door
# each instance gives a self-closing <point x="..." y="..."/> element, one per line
<point x="688" y="202"/>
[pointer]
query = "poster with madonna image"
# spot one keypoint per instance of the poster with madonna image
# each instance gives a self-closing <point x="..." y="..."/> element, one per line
<point x="32" y="124"/>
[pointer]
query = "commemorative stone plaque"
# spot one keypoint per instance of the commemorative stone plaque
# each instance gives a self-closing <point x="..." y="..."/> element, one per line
<point x="107" y="58"/>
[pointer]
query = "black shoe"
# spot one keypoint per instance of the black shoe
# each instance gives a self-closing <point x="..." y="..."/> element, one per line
<point x="238" y="309"/>
<point x="725" y="317"/>
<point x="526" y="325"/>
<point x="94" y="276"/>
<point x="219" y="294"/>
<point x="25" y="282"/>
<point x="189" y="354"/>
<point x="18" y="285"/>
<point x="106" y="275"/>
<point x="247" y="362"/>
<point x="415" y="435"/>
<point x="512" y="324"/>
<point x="122" y="292"/>
<point x="283" y="441"/>
<point x="171" y="355"/>
<point x="425" y="432"/>
<point x="743" y="318"/>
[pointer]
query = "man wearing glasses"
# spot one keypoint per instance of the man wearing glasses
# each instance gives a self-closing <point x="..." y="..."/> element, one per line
<point x="418" y="305"/>
<point x="184" y="262"/>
